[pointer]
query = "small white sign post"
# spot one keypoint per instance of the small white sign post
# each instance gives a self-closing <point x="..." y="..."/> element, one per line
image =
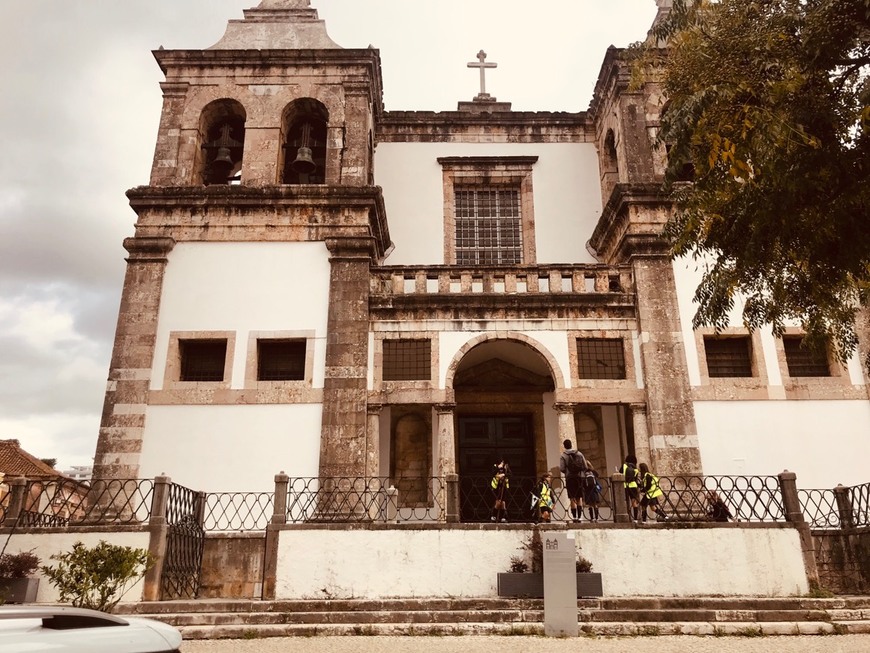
<point x="560" y="585"/>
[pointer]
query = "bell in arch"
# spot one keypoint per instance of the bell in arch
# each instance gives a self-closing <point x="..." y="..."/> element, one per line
<point x="304" y="162"/>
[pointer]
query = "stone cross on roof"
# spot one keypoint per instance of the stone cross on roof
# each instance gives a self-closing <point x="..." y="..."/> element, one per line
<point x="481" y="63"/>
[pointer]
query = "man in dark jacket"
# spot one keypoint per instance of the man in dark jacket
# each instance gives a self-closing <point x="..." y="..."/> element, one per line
<point x="573" y="466"/>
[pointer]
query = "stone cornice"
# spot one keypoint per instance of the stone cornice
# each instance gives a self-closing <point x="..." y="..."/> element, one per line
<point x="269" y="213"/>
<point x="507" y="126"/>
<point x="174" y="64"/>
<point x="631" y="223"/>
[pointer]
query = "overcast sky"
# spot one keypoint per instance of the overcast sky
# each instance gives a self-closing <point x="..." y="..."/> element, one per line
<point x="79" y="107"/>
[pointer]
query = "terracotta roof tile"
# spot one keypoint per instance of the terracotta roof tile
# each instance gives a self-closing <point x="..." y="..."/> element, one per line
<point x="15" y="461"/>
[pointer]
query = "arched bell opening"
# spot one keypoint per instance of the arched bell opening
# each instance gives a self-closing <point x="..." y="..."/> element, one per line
<point x="222" y="143"/>
<point x="609" y="165"/>
<point x="304" y="142"/>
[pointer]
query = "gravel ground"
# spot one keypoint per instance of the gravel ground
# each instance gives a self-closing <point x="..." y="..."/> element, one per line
<point x="505" y="644"/>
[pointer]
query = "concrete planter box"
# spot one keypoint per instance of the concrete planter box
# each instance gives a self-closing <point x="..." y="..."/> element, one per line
<point x="528" y="585"/>
<point x="18" y="590"/>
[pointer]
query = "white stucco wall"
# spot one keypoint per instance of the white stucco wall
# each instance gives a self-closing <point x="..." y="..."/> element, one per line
<point x="46" y="545"/>
<point x="244" y="287"/>
<point x="231" y="448"/>
<point x="823" y="442"/>
<point x="566" y="187"/>
<point x="465" y="563"/>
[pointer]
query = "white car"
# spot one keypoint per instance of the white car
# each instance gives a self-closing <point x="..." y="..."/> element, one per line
<point x="57" y="629"/>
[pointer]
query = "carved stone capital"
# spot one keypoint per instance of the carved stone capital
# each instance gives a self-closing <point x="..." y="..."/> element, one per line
<point x="148" y="248"/>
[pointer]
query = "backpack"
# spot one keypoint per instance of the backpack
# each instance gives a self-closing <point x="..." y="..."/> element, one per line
<point x="575" y="463"/>
<point x="630" y="473"/>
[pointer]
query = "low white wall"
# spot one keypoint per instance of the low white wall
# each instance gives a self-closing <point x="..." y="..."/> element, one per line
<point x="46" y="545"/>
<point x="321" y="563"/>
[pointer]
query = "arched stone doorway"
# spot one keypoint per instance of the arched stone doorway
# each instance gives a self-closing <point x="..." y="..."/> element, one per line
<point x="500" y="386"/>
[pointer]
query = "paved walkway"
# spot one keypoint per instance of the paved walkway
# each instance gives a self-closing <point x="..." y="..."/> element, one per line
<point x="504" y="644"/>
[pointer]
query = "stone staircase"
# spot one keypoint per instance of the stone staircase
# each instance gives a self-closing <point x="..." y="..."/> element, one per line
<point x="245" y="619"/>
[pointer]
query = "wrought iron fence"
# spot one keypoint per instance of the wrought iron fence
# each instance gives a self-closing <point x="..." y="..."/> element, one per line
<point x="182" y="566"/>
<point x="359" y="499"/>
<point x="238" y="511"/>
<point x="820" y="508"/>
<point x="748" y="498"/>
<point x="859" y="500"/>
<point x="51" y="503"/>
<point x="477" y="499"/>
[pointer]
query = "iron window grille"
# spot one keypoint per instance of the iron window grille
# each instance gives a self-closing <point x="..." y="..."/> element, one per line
<point x="728" y="356"/>
<point x="803" y="361"/>
<point x="488" y="226"/>
<point x="202" y="360"/>
<point x="280" y="360"/>
<point x="407" y="360"/>
<point x="600" y="358"/>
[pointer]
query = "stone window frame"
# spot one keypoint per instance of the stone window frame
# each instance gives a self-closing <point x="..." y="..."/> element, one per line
<point x="732" y="387"/>
<point x="489" y="171"/>
<point x="607" y="387"/>
<point x="812" y="387"/>
<point x="251" y="381"/>
<point x="380" y="385"/>
<point x="172" y="373"/>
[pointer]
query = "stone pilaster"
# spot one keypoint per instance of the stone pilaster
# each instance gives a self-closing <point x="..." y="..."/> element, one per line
<point x="641" y="434"/>
<point x="673" y="435"/>
<point x="344" y="431"/>
<point x="357" y="129"/>
<point x="373" y="442"/>
<point x="167" y="168"/>
<point x="123" y="421"/>
<point x="446" y="439"/>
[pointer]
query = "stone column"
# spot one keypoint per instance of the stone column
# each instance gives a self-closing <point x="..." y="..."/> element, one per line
<point x="673" y="435"/>
<point x="373" y="442"/>
<point x="123" y="421"/>
<point x="567" y="430"/>
<point x="792" y="507"/>
<point x="344" y="430"/>
<point x="446" y="440"/>
<point x="641" y="435"/>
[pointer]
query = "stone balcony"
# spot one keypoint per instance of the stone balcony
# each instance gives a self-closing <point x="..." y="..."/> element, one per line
<point x="531" y="292"/>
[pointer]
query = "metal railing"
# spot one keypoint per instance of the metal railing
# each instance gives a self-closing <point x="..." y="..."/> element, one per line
<point x="359" y="499"/>
<point x="51" y="503"/>
<point x="819" y="508"/>
<point x="238" y="511"/>
<point x="748" y="498"/>
<point x="859" y="501"/>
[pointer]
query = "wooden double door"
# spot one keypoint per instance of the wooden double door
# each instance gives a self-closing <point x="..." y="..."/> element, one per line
<point x="483" y="441"/>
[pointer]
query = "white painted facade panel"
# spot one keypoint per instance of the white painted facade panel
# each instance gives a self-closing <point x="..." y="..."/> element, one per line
<point x="266" y="287"/>
<point x="823" y="442"/>
<point x="231" y="448"/>
<point x="566" y="190"/>
<point x="46" y="545"/>
<point x="465" y="563"/>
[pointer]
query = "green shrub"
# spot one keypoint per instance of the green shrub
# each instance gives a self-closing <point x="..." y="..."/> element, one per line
<point x="18" y="565"/>
<point x="97" y="577"/>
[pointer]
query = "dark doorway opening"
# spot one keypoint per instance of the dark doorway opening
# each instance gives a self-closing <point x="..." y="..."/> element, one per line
<point x="483" y="441"/>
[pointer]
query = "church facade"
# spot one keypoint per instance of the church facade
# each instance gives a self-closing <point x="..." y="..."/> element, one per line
<point x="319" y="286"/>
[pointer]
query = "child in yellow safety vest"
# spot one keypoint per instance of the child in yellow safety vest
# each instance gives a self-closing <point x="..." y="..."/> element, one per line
<point x="545" y="498"/>
<point x="651" y="493"/>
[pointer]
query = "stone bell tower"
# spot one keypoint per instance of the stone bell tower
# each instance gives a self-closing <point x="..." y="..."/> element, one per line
<point x="265" y="138"/>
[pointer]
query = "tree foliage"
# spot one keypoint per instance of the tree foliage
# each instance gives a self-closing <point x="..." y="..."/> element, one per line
<point x="769" y="102"/>
<point x="97" y="577"/>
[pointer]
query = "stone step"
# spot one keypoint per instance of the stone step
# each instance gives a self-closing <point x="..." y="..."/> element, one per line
<point x="608" y="629"/>
<point x="856" y="604"/>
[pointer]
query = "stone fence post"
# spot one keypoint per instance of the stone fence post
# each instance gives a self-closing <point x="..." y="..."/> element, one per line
<point x="794" y="515"/>
<point x="158" y="530"/>
<point x="273" y="531"/>
<point x="620" y="507"/>
<point x="17" y="489"/>
<point x="844" y="507"/>
<point x="452" y="507"/>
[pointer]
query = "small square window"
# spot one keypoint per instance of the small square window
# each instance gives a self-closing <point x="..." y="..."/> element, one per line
<point x="600" y="358"/>
<point x="407" y="360"/>
<point x="202" y="360"/>
<point x="803" y="361"/>
<point x="728" y="356"/>
<point x="280" y="360"/>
